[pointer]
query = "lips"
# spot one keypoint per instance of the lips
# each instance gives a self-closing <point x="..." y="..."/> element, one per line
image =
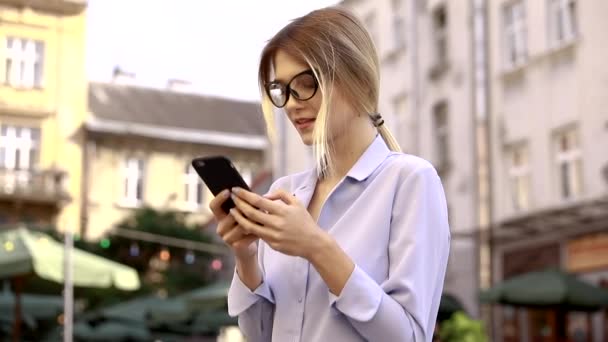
<point x="304" y="123"/>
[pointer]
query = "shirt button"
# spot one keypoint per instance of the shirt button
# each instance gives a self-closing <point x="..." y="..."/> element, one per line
<point x="299" y="300"/>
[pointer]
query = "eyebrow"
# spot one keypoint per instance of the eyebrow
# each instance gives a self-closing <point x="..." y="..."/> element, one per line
<point x="280" y="80"/>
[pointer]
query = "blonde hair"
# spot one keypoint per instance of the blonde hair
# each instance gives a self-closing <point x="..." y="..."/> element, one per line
<point x="340" y="51"/>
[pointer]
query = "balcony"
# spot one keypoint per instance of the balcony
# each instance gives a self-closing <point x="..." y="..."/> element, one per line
<point x="66" y="7"/>
<point x="33" y="186"/>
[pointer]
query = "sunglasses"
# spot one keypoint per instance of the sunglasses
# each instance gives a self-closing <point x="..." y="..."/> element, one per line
<point x="302" y="87"/>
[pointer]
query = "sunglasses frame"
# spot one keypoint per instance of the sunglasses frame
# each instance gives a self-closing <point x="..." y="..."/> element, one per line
<point x="289" y="91"/>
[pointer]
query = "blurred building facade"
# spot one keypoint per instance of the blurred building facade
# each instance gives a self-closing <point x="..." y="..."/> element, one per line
<point x="425" y="51"/>
<point x="42" y="108"/>
<point x="140" y="142"/>
<point x="549" y="81"/>
<point x="510" y="96"/>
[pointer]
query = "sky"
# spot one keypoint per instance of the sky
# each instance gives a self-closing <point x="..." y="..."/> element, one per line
<point x="215" y="45"/>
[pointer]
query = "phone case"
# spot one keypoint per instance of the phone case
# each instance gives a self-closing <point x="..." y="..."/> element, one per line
<point x="218" y="173"/>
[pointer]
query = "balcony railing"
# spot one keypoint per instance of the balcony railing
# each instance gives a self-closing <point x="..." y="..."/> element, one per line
<point x="68" y="7"/>
<point x="41" y="186"/>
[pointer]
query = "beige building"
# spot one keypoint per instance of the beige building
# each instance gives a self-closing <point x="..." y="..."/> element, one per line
<point x="140" y="142"/>
<point x="549" y="106"/>
<point x="42" y="108"/>
<point x="425" y="50"/>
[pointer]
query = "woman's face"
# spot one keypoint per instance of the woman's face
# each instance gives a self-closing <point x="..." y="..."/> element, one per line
<point x="303" y="113"/>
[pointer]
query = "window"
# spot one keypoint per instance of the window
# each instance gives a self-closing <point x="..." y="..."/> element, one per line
<point x="193" y="194"/>
<point x="372" y="27"/>
<point x="440" y="35"/>
<point x="514" y="34"/>
<point x="19" y="147"/>
<point x="562" y="21"/>
<point x="519" y="176"/>
<point x="133" y="181"/>
<point x="398" y="25"/>
<point x="440" y="124"/>
<point x="24" y="64"/>
<point x="568" y="164"/>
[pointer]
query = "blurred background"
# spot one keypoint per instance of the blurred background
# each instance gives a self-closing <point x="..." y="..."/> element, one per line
<point x="105" y="231"/>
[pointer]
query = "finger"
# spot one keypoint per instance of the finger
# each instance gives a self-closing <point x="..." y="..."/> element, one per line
<point x="246" y="241"/>
<point x="257" y="200"/>
<point x="216" y="204"/>
<point x="234" y="235"/>
<point x="283" y="196"/>
<point x="225" y="225"/>
<point x="249" y="226"/>
<point x="253" y="214"/>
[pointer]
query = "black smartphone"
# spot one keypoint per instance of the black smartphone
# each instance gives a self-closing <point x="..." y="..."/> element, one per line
<point x="219" y="174"/>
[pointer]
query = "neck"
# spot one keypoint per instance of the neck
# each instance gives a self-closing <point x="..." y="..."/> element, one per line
<point x="349" y="146"/>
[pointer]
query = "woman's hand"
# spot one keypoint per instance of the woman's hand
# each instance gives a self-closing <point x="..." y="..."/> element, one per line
<point x="285" y="225"/>
<point x="240" y="241"/>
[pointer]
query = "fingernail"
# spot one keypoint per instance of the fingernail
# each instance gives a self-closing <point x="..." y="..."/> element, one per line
<point x="231" y="211"/>
<point x="233" y="196"/>
<point x="236" y="190"/>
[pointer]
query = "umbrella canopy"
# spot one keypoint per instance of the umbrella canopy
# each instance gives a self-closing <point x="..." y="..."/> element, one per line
<point x="211" y="298"/>
<point x="28" y="252"/>
<point x="111" y="331"/>
<point x="39" y="307"/>
<point x="207" y="297"/>
<point x="549" y="288"/>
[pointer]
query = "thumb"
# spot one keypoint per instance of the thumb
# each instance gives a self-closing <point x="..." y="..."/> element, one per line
<point x="281" y="195"/>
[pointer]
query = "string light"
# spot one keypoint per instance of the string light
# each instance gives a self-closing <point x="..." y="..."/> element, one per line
<point x="189" y="258"/>
<point x="165" y="255"/>
<point x="134" y="249"/>
<point x="9" y="246"/>
<point x="216" y="264"/>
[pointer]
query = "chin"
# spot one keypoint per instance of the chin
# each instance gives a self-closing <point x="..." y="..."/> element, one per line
<point x="307" y="139"/>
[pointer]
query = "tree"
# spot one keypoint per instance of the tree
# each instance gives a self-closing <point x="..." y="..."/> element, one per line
<point x="163" y="269"/>
<point x="461" y="328"/>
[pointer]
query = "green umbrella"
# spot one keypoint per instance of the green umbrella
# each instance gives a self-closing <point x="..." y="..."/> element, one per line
<point x="183" y="307"/>
<point x="24" y="252"/>
<point x="551" y="288"/>
<point x="28" y="252"/>
<point x="39" y="307"/>
<point x="208" y="322"/>
<point x="208" y="297"/>
<point x="111" y="331"/>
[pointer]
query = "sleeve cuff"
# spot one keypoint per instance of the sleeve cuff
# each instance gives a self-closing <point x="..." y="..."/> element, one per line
<point x="360" y="297"/>
<point x="240" y="298"/>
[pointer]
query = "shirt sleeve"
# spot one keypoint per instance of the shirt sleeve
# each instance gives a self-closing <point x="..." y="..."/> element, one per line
<point x="404" y="307"/>
<point x="255" y="309"/>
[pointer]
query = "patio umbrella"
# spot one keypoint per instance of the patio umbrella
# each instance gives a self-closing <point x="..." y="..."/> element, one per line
<point x="549" y="288"/>
<point x="199" y="311"/>
<point x="114" y="330"/>
<point x="24" y="252"/>
<point x="38" y="307"/>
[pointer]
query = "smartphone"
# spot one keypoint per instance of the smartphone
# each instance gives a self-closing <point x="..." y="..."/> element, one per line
<point x="219" y="174"/>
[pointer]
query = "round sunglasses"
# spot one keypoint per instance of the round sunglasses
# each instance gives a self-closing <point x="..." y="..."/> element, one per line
<point x="302" y="87"/>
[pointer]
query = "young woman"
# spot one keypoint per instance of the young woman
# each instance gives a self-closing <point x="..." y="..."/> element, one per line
<point x="356" y="248"/>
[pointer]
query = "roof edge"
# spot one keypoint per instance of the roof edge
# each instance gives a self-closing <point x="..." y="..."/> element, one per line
<point x="244" y="141"/>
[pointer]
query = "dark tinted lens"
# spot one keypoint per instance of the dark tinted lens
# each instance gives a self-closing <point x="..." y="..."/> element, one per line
<point x="277" y="95"/>
<point x="303" y="87"/>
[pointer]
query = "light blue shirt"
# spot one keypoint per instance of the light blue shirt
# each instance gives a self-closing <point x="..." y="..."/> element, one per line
<point x="389" y="215"/>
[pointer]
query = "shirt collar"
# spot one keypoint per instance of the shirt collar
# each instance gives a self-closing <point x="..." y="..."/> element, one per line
<point x="369" y="161"/>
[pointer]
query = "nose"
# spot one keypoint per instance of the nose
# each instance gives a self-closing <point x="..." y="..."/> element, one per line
<point x="292" y="103"/>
